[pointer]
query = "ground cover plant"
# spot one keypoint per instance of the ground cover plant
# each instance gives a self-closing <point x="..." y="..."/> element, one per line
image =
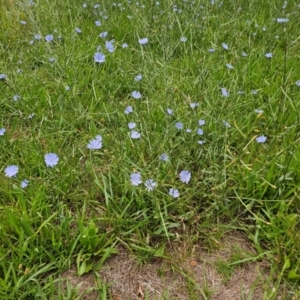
<point x="142" y="123"/>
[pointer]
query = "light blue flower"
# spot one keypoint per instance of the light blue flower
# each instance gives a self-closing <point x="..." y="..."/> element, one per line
<point x="244" y="54"/>
<point x="131" y="125"/>
<point x="185" y="176"/>
<point x="269" y="55"/>
<point x="135" y="135"/>
<point x="226" y="124"/>
<point x="138" y="77"/>
<point x="225" y="46"/>
<point x="150" y="185"/>
<point x="225" y="93"/>
<point x="24" y="183"/>
<point x="229" y="66"/>
<point x="194" y="105"/>
<point x="49" y="38"/>
<point x="282" y="20"/>
<point x="170" y="111"/>
<point x="297" y="82"/>
<point x="136" y="95"/>
<point x="261" y="139"/>
<point x="211" y="50"/>
<point x="99" y="57"/>
<point x="110" y="46"/>
<point x="78" y="30"/>
<point x="201" y="122"/>
<point x="179" y="125"/>
<point x="51" y="159"/>
<point x="2" y="131"/>
<point x="103" y="34"/>
<point x="200" y="131"/>
<point x="16" y="97"/>
<point x="183" y="39"/>
<point x="11" y="171"/>
<point x="37" y="36"/>
<point x="124" y="45"/>
<point x="259" y="111"/>
<point x="128" y="110"/>
<point x="143" y="41"/>
<point x="174" y="193"/>
<point x="98" y="23"/>
<point x="96" y="143"/>
<point x="3" y="76"/>
<point x="136" y="179"/>
<point x="164" y="157"/>
<point x="201" y="142"/>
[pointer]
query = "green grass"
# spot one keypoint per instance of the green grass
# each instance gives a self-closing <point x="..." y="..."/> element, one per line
<point x="79" y="211"/>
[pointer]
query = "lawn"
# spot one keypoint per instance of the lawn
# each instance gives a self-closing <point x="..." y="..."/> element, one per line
<point x="143" y="126"/>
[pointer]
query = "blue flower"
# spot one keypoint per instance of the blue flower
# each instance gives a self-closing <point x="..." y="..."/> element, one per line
<point x="211" y="50"/>
<point x="229" y="66"/>
<point x="11" y="171"/>
<point x="193" y="105"/>
<point x="225" y="46"/>
<point x="164" y="157"/>
<point x="110" y="46"/>
<point x="3" y="76"/>
<point x="103" y="34"/>
<point x="261" y="139"/>
<point x="201" y="122"/>
<point x="124" y="45"/>
<point x="224" y="92"/>
<point x="136" y="179"/>
<point x="78" y="30"/>
<point x="131" y="125"/>
<point x="183" y="39"/>
<point x="51" y="159"/>
<point x="135" y="135"/>
<point x="84" y="5"/>
<point x="174" y="193"/>
<point x="136" y="95"/>
<point x="200" y="131"/>
<point x="138" y="77"/>
<point x="51" y="59"/>
<point x="128" y="110"/>
<point x="23" y="22"/>
<point x="49" y="38"/>
<point x="188" y="130"/>
<point x="2" y="130"/>
<point x="150" y="185"/>
<point x="95" y="143"/>
<point x="99" y="57"/>
<point x="201" y="142"/>
<point x="179" y="125"/>
<point x="269" y="55"/>
<point x="143" y="41"/>
<point x="297" y="82"/>
<point x="185" y="176"/>
<point x="98" y="23"/>
<point x="244" y="54"/>
<point x="24" y="183"/>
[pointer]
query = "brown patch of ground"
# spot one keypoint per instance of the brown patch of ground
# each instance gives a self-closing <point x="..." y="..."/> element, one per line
<point x="211" y="273"/>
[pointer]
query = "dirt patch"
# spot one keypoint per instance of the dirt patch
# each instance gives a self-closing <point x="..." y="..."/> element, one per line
<point x="227" y="273"/>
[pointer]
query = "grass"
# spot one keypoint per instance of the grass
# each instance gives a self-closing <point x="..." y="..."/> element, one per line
<point x="82" y="209"/>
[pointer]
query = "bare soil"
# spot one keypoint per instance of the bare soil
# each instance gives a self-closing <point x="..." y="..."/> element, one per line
<point x="198" y="275"/>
